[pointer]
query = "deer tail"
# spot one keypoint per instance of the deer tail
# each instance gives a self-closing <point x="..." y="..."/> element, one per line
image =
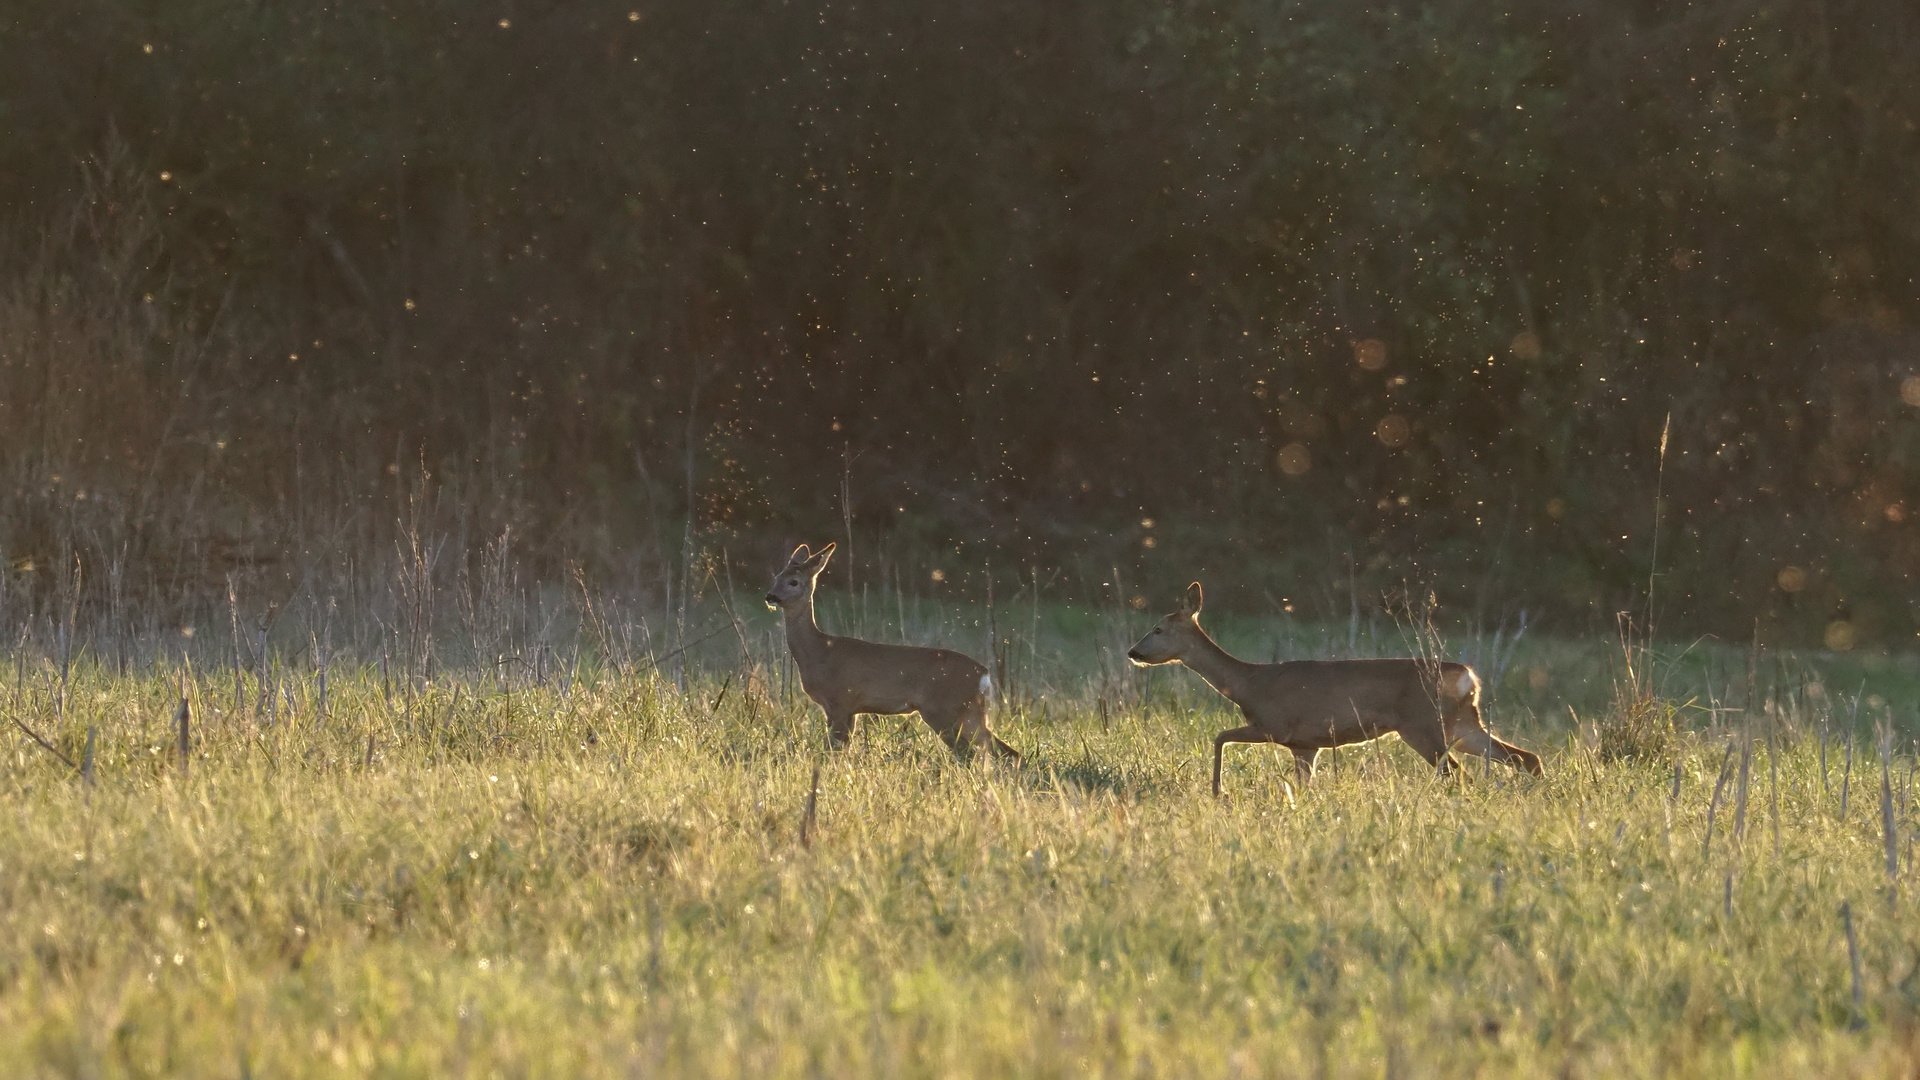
<point x="1459" y="688"/>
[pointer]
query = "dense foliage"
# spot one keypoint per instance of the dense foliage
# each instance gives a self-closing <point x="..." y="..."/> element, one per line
<point x="1419" y="283"/>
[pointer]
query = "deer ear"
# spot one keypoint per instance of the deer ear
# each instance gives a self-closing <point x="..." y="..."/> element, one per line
<point x="819" y="560"/>
<point x="799" y="556"/>
<point x="1196" y="597"/>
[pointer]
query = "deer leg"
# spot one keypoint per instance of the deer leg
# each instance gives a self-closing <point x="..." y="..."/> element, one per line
<point x="1303" y="762"/>
<point x="969" y="732"/>
<point x="1475" y="739"/>
<point x="839" y="729"/>
<point x="1526" y="759"/>
<point x="1248" y="734"/>
<point x="974" y="719"/>
<point x="1430" y="743"/>
<point x="952" y="729"/>
<point x="999" y="749"/>
<point x="1466" y="730"/>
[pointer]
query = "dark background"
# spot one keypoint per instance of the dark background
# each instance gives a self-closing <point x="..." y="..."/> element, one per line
<point x="624" y="281"/>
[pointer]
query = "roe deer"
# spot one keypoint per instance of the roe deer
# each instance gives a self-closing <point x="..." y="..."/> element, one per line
<point x="1308" y="705"/>
<point x="847" y="676"/>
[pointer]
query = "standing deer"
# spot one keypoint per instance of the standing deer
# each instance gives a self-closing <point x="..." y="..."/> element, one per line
<point x="847" y="676"/>
<point x="1308" y="705"/>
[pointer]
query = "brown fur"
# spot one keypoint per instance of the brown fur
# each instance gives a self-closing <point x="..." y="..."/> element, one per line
<point x="847" y="676"/>
<point x="1309" y="705"/>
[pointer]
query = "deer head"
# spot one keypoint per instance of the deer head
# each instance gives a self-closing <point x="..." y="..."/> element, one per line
<point x="1173" y="635"/>
<point x="793" y="585"/>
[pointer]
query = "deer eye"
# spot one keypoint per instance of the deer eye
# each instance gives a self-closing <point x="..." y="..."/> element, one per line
<point x="793" y="581"/>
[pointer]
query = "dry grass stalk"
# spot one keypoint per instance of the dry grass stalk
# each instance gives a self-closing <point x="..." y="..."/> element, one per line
<point x="183" y="725"/>
<point x="812" y="807"/>
<point x="1773" y="792"/>
<point x="1853" y="964"/>
<point x="1673" y="800"/>
<point x="1826" y="785"/>
<point x="44" y="744"/>
<point x="1740" y="791"/>
<point x="1713" y="805"/>
<point x="1889" y="827"/>
<point x="1846" y="777"/>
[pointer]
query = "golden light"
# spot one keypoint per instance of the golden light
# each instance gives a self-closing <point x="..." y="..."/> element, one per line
<point x="1526" y="345"/>
<point x="1294" y="459"/>
<point x="1910" y="390"/>
<point x="1792" y="579"/>
<point x="1370" y="353"/>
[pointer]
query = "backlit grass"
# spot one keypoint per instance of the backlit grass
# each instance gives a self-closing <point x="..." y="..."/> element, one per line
<point x="612" y="881"/>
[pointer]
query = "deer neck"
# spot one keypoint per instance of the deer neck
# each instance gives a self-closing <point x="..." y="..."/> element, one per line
<point x="1222" y="670"/>
<point x="805" y="639"/>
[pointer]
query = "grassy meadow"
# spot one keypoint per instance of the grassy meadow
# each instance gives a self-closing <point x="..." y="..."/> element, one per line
<point x="572" y="867"/>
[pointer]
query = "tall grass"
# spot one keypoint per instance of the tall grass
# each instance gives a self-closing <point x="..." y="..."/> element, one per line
<point x="574" y="869"/>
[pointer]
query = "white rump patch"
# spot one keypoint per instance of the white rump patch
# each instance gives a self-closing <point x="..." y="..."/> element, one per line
<point x="986" y="687"/>
<point x="1464" y="684"/>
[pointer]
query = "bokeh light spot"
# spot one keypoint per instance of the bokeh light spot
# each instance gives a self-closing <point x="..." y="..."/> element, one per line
<point x="1910" y="390"/>
<point x="1839" y="635"/>
<point x="1526" y="345"/>
<point x="1792" y="579"/>
<point x="1294" y="459"/>
<point x="1393" y="430"/>
<point x="1370" y="353"/>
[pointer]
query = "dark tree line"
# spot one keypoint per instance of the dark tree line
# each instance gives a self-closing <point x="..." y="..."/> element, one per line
<point x="1421" y="284"/>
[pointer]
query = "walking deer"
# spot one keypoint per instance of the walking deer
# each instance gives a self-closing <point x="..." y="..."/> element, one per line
<point x="847" y="676"/>
<point x="1309" y="705"/>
